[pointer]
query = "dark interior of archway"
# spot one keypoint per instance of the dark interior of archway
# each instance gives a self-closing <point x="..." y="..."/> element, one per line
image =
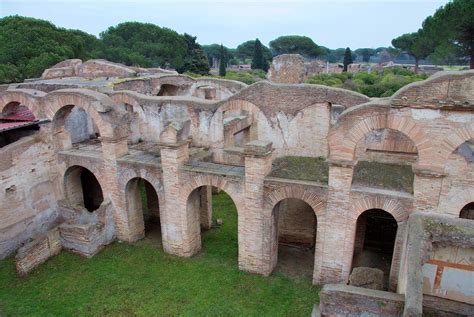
<point x="16" y="122"/>
<point x="92" y="192"/>
<point x="296" y="229"/>
<point x="467" y="212"/>
<point x="375" y="240"/>
<point x="10" y="136"/>
<point x="168" y="90"/>
<point x="150" y="207"/>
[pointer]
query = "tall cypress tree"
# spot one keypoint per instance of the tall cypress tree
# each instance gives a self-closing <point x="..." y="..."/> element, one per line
<point x="222" y="62"/>
<point x="258" y="60"/>
<point x="347" y="58"/>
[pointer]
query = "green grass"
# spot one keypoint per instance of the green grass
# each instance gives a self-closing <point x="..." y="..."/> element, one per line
<point x="141" y="280"/>
<point x="314" y="169"/>
<point x="384" y="176"/>
<point x="247" y="77"/>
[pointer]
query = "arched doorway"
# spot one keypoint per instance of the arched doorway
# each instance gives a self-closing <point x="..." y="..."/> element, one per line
<point x="467" y="212"/>
<point x="214" y="217"/>
<point x="72" y="125"/>
<point x="143" y="208"/>
<point x="376" y="231"/>
<point x="296" y="226"/>
<point x="82" y="188"/>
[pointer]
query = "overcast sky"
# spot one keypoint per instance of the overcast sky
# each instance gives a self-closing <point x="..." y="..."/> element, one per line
<point x="334" y="24"/>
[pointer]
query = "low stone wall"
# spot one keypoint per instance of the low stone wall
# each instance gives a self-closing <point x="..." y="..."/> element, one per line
<point x="86" y="233"/>
<point x="37" y="251"/>
<point x="84" y="239"/>
<point x="344" y="300"/>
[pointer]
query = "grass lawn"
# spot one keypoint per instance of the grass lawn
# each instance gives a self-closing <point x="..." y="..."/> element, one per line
<point x="141" y="280"/>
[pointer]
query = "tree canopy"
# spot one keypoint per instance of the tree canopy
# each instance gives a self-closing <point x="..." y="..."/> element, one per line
<point x="347" y="58"/>
<point x="195" y="60"/>
<point x="28" y="46"/>
<point x="451" y="29"/>
<point x="258" y="60"/>
<point x="416" y="44"/>
<point x="246" y="50"/>
<point x="295" y="44"/>
<point x="222" y="61"/>
<point x="144" y="44"/>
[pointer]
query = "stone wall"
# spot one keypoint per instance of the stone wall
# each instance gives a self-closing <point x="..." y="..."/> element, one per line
<point x="296" y="223"/>
<point x="27" y="192"/>
<point x="287" y="69"/>
<point x="37" y="251"/>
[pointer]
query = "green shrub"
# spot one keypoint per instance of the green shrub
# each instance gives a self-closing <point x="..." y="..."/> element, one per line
<point x="374" y="84"/>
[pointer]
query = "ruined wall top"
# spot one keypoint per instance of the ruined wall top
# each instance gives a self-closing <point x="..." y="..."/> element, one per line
<point x="97" y="68"/>
<point x="442" y="90"/>
<point x="287" y="69"/>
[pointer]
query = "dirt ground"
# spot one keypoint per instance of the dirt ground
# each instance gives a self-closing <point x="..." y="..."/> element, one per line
<point x="295" y="262"/>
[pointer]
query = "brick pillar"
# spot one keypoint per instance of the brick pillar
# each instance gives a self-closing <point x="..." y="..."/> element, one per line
<point x="205" y="211"/>
<point x="255" y="227"/>
<point x="180" y="233"/>
<point x="111" y="150"/>
<point x="361" y="227"/>
<point x="397" y="256"/>
<point x="338" y="229"/>
<point x="426" y="188"/>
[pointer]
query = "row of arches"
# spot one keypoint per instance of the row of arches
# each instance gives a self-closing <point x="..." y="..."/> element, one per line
<point x="295" y="222"/>
<point x="344" y="138"/>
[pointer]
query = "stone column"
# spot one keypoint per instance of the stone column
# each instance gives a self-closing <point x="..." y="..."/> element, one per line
<point x="255" y="227"/>
<point x="426" y="188"/>
<point x="338" y="228"/>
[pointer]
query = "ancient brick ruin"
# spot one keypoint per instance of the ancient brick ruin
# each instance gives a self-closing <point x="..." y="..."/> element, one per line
<point x="326" y="169"/>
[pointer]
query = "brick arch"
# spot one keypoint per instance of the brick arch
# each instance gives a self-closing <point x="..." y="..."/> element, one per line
<point x="392" y="206"/>
<point x="133" y="98"/>
<point x="94" y="103"/>
<point x="454" y="139"/>
<point x="343" y="144"/>
<point x="126" y="97"/>
<point x="93" y="169"/>
<point x="311" y="198"/>
<point x="126" y="176"/>
<point x="27" y="97"/>
<point x="453" y="204"/>
<point x="220" y="182"/>
<point x="66" y="186"/>
<point x="237" y="104"/>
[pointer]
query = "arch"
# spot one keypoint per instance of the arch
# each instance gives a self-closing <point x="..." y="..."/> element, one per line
<point x="343" y="144"/>
<point x="375" y="244"/>
<point x="392" y="206"/>
<point x="27" y="97"/>
<point x="94" y="103"/>
<point x="199" y="214"/>
<point x="454" y="139"/>
<point x="297" y="192"/>
<point x="90" y="195"/>
<point x="126" y="97"/>
<point x="141" y="217"/>
<point x="220" y="182"/>
<point x="467" y="212"/>
<point x="125" y="175"/>
<point x="295" y="242"/>
<point x="217" y="119"/>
